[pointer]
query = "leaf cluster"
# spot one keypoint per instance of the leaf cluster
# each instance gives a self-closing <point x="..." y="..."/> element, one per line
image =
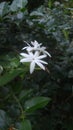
<point x="22" y="96"/>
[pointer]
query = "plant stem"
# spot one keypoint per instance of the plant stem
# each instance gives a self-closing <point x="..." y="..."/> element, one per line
<point x="20" y="106"/>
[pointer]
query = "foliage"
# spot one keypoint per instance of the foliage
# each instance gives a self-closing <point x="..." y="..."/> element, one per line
<point x="23" y="96"/>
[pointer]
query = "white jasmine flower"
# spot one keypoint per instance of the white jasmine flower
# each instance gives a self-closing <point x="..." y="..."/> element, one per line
<point x="36" y="47"/>
<point x="35" y="54"/>
<point x="34" y="59"/>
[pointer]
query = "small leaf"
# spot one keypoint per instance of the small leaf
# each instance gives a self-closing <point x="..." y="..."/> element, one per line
<point x="35" y="13"/>
<point x="18" y="4"/>
<point x="36" y="103"/>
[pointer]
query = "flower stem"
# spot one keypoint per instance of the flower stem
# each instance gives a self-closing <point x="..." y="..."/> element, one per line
<point x="20" y="106"/>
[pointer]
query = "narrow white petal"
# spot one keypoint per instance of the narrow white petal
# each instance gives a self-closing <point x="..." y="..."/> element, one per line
<point x="43" y="62"/>
<point x="36" y="54"/>
<point x="32" y="43"/>
<point x="24" y="54"/>
<point x="25" y="60"/>
<point x="31" y="54"/>
<point x="45" y="52"/>
<point x="43" y="48"/>
<point x="29" y="49"/>
<point x="41" y="57"/>
<point x="32" y="67"/>
<point x="27" y="43"/>
<point x="40" y="65"/>
<point x="40" y="44"/>
<point x="24" y="48"/>
<point x="35" y="43"/>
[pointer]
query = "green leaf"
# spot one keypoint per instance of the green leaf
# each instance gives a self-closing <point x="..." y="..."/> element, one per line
<point x="18" y="4"/>
<point x="7" y="77"/>
<point x="3" y="119"/>
<point x="3" y="8"/>
<point x="36" y="103"/>
<point x="24" y="94"/>
<point x="25" y="125"/>
<point x="70" y="74"/>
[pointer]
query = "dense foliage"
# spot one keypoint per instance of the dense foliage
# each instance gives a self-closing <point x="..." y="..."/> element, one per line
<point x="43" y="99"/>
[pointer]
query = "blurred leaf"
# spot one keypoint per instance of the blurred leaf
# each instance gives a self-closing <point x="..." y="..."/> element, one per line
<point x="70" y="51"/>
<point x="50" y="3"/>
<point x="25" y="125"/>
<point x="24" y="94"/>
<point x="69" y="126"/>
<point x="3" y="8"/>
<point x="7" y="77"/>
<point x="18" y="4"/>
<point x="3" y="119"/>
<point x="70" y="75"/>
<point x="14" y="62"/>
<point x="36" y="103"/>
<point x="37" y="14"/>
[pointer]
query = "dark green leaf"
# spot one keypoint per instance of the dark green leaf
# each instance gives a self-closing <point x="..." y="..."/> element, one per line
<point x="25" y="125"/>
<point x="3" y="119"/>
<point x="24" y="94"/>
<point x="7" y="77"/>
<point x="70" y="75"/>
<point x="36" y="103"/>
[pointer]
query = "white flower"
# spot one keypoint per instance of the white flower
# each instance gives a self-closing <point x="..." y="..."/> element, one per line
<point x="35" y="54"/>
<point x="36" y="47"/>
<point x="34" y="59"/>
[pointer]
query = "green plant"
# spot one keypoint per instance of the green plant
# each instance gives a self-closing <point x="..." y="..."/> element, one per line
<point x="23" y="96"/>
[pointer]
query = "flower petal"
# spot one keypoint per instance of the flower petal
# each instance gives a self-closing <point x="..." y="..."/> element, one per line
<point x="36" y="44"/>
<point x="32" y="67"/>
<point x="33" y="43"/>
<point x="24" y="48"/>
<point x="25" y="60"/>
<point x="40" y="65"/>
<point x="36" y="54"/>
<point x="45" y="52"/>
<point x="27" y="43"/>
<point x="29" y="49"/>
<point x="43" y="48"/>
<point x="43" y="62"/>
<point x="24" y="54"/>
<point x="41" y="56"/>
